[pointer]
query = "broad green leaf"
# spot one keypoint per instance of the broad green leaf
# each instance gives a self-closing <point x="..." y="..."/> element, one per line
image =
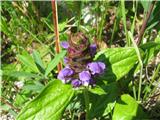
<point x="128" y="109"/>
<point x="49" y="104"/>
<point x="103" y="99"/>
<point x="54" y="62"/>
<point x="28" y="61"/>
<point x="119" y="61"/>
<point x="38" y="61"/>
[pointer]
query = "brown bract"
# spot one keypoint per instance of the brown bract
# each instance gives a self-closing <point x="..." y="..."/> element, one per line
<point x="78" y="52"/>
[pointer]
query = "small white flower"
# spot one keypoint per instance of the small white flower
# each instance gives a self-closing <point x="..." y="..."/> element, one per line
<point x="19" y="84"/>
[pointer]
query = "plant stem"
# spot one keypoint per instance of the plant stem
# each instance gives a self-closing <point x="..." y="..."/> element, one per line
<point x="140" y="62"/>
<point x="55" y="21"/>
<point x="140" y="82"/>
<point x="138" y="40"/>
<point x="79" y="15"/>
<point x="9" y="104"/>
<point x="155" y="74"/>
<point x="86" y="99"/>
<point x="124" y="21"/>
<point x="134" y="90"/>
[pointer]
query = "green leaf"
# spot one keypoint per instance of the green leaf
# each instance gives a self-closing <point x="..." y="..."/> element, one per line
<point x="151" y="50"/>
<point x="62" y="25"/>
<point x="119" y="61"/>
<point x="150" y="45"/>
<point x="28" y="61"/>
<point x="103" y="99"/>
<point x="146" y="4"/>
<point x="154" y="18"/>
<point x="54" y="62"/>
<point x="4" y="26"/>
<point x="20" y="100"/>
<point x="38" y="61"/>
<point x="128" y="109"/>
<point x="49" y="104"/>
<point x="35" y="87"/>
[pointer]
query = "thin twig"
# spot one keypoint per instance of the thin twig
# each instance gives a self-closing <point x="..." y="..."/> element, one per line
<point x="9" y="104"/>
<point x="138" y="40"/>
<point x="55" y="21"/>
<point x="155" y="95"/>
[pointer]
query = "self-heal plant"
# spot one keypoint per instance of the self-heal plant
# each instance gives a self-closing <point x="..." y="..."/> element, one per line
<point x="80" y="69"/>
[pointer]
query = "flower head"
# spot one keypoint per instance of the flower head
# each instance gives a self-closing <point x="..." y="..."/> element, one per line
<point x="80" y="69"/>
<point x="65" y="74"/>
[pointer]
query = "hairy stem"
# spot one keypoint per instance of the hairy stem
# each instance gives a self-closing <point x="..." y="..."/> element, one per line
<point x="86" y="98"/>
<point x="55" y="21"/>
<point x="140" y="62"/>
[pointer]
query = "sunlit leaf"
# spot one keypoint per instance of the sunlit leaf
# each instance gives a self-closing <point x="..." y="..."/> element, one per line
<point x="128" y="109"/>
<point x="49" y="104"/>
<point x="119" y="61"/>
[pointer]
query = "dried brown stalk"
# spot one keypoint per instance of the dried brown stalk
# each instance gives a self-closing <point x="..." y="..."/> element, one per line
<point x="55" y="21"/>
<point x="9" y="104"/>
<point x="138" y="40"/>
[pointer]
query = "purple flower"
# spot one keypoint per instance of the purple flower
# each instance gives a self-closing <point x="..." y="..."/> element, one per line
<point x="76" y="83"/>
<point x="66" y="59"/>
<point x="93" y="49"/>
<point x="65" y="44"/>
<point x="96" y="67"/>
<point x="85" y="77"/>
<point x="65" y="74"/>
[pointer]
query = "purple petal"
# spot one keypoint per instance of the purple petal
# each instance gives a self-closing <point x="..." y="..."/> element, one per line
<point x="65" y="44"/>
<point x="76" y="83"/>
<point x="96" y="67"/>
<point x="102" y="65"/>
<point x="65" y="74"/>
<point x="66" y="59"/>
<point x="93" y="49"/>
<point x="85" y="77"/>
